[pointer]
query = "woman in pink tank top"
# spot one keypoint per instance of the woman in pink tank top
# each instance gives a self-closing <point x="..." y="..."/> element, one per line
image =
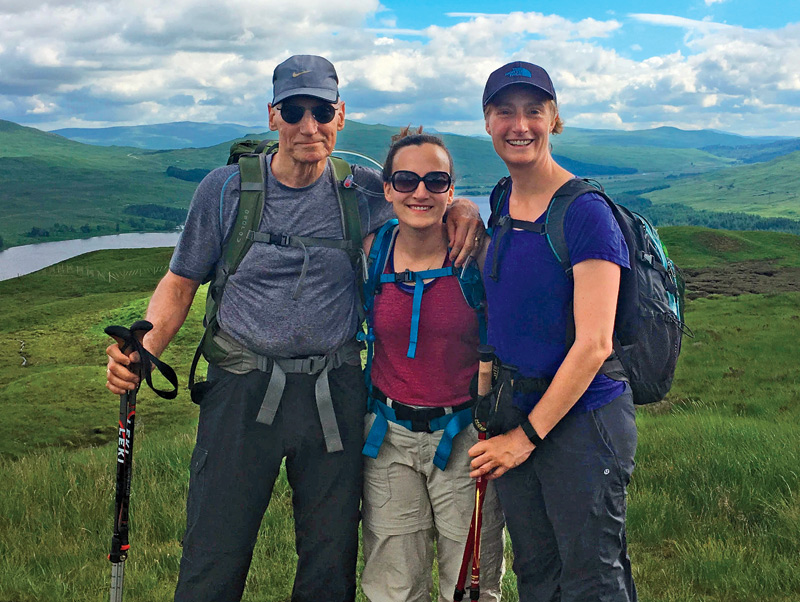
<point x="418" y="390"/>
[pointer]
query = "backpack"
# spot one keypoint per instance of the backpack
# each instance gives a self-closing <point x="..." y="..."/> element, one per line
<point x="469" y="279"/>
<point x="649" y="322"/>
<point x="251" y="158"/>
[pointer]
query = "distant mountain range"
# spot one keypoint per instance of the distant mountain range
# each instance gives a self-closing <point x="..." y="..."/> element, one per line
<point x="191" y="134"/>
<point x="161" y="136"/>
<point x="127" y="179"/>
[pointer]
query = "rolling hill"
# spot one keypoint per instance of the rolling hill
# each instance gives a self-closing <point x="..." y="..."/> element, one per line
<point x="766" y="189"/>
<point x="181" y="134"/>
<point x="55" y="188"/>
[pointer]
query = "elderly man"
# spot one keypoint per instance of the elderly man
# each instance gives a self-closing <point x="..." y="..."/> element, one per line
<point x="290" y="385"/>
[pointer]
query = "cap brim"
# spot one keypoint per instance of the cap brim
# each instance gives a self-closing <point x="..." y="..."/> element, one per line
<point x="524" y="83"/>
<point x="321" y="93"/>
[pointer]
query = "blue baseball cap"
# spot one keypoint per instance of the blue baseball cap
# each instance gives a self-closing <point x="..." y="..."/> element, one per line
<point x="518" y="72"/>
<point x="305" y="75"/>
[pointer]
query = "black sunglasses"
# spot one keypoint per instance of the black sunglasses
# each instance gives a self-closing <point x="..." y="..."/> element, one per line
<point x="407" y="181"/>
<point x="292" y="114"/>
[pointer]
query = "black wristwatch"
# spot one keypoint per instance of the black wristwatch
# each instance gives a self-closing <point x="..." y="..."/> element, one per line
<point x="531" y="433"/>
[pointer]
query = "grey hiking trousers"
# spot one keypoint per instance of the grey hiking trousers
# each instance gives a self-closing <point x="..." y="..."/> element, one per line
<point x="565" y="507"/>
<point x="233" y="470"/>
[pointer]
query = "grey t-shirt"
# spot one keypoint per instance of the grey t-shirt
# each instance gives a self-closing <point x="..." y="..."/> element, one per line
<point x="257" y="307"/>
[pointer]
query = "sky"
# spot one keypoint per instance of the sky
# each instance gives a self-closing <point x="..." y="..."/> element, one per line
<point x="730" y="65"/>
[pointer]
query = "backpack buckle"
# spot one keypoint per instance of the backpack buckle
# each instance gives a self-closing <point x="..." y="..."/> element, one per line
<point x="281" y="240"/>
<point x="405" y="276"/>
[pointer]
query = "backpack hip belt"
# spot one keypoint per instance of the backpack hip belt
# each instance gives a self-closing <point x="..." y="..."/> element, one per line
<point x="241" y="360"/>
<point x="452" y="420"/>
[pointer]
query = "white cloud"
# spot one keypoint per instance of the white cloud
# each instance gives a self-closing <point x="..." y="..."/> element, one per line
<point x="109" y="62"/>
<point x="40" y="107"/>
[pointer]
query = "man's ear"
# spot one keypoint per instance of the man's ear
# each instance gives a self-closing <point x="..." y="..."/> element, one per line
<point x="273" y="113"/>
<point x="340" y="125"/>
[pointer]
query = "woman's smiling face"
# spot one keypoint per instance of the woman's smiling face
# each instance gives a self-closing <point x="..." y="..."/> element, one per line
<point x="420" y="208"/>
<point x="520" y="120"/>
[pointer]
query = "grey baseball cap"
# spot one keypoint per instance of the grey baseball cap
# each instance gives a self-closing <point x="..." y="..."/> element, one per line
<point x="305" y="75"/>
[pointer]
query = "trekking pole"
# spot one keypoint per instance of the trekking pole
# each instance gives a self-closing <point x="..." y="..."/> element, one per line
<point x="130" y="340"/>
<point x="472" y="549"/>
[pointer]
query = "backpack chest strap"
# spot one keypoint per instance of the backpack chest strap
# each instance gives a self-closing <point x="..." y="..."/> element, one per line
<point x="418" y="279"/>
<point x="504" y="224"/>
<point x="301" y="242"/>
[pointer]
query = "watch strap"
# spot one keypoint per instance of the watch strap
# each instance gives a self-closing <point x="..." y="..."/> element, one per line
<point x="531" y="433"/>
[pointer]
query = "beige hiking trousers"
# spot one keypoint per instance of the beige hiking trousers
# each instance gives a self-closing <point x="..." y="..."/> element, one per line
<point x="409" y="505"/>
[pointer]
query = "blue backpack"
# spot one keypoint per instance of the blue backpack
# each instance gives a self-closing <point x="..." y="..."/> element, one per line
<point x="471" y="283"/>
<point x="649" y="320"/>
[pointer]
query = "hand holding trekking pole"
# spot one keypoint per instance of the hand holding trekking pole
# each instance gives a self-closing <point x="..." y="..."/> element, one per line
<point x="130" y="339"/>
<point x="473" y="545"/>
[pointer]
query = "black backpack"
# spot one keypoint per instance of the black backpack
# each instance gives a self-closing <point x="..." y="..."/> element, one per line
<point x="649" y="321"/>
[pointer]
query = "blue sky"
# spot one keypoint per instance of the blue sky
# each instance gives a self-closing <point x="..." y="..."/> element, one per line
<point x="722" y="64"/>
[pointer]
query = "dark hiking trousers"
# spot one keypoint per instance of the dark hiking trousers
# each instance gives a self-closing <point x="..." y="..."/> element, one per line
<point x="565" y="508"/>
<point x="233" y="470"/>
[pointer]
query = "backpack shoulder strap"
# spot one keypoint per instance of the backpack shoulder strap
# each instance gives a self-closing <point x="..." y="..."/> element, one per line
<point x="376" y="262"/>
<point x="346" y="195"/>
<point x="471" y="282"/>
<point x="496" y="200"/>
<point x="252" y="174"/>
<point x="557" y="211"/>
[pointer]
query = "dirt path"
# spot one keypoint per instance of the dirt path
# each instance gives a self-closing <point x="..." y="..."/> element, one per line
<point x="741" y="278"/>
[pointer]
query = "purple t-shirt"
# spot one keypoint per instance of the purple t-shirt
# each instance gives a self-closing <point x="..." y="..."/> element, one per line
<point x="529" y="305"/>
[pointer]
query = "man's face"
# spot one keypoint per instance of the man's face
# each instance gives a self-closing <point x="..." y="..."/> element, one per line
<point x="308" y="140"/>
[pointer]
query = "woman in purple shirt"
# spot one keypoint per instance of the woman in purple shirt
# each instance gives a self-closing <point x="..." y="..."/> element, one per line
<point x="564" y="455"/>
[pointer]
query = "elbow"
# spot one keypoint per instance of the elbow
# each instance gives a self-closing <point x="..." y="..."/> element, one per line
<point x="595" y="351"/>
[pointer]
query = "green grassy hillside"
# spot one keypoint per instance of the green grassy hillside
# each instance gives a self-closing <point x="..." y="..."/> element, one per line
<point x="182" y="134"/>
<point x="697" y="248"/>
<point x="714" y="513"/>
<point x="662" y="161"/>
<point x="661" y="137"/>
<point x="55" y="188"/>
<point x="768" y="189"/>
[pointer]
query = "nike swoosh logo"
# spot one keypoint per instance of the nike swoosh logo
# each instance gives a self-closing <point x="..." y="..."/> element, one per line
<point x="299" y="73"/>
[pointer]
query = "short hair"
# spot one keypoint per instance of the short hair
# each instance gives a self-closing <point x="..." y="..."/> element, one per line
<point x="408" y="137"/>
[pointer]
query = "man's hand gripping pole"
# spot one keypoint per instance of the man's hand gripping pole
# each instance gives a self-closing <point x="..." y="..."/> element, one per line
<point x="130" y="341"/>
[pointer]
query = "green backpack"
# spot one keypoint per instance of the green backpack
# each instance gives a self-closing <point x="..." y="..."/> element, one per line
<point x="251" y="157"/>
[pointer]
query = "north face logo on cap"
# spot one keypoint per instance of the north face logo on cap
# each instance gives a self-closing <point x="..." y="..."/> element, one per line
<point x="519" y="72"/>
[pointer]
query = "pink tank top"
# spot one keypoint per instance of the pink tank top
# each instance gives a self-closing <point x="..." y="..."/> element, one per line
<point x="446" y="357"/>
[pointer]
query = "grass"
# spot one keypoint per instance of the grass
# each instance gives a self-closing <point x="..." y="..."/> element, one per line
<point x="714" y="508"/>
<point x="695" y="247"/>
<point x="766" y="189"/>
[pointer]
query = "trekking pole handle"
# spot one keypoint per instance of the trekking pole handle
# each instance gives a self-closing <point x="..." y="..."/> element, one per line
<point x="125" y="339"/>
<point x="131" y="339"/>
<point x="486" y="358"/>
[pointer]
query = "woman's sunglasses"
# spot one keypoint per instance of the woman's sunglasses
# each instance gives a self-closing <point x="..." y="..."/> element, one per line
<point x="292" y="114"/>
<point x="407" y="181"/>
